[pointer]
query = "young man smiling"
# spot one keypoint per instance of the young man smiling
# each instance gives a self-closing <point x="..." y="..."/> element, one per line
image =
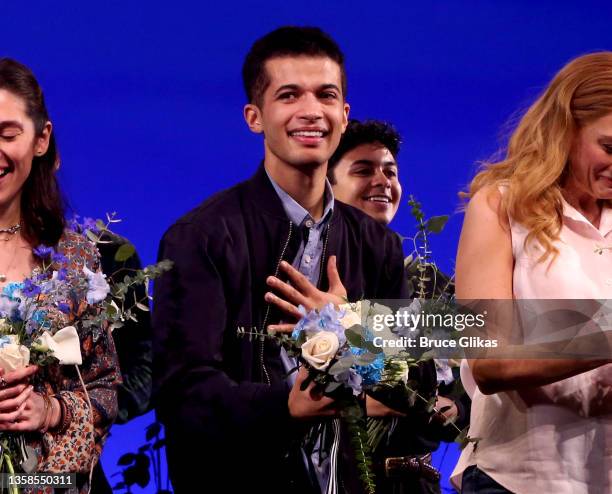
<point x="232" y="417"/>
<point x="363" y="170"/>
<point x="364" y="173"/>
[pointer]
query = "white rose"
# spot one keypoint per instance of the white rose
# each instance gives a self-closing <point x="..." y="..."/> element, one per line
<point x="13" y="356"/>
<point x="352" y="315"/>
<point x="319" y="350"/>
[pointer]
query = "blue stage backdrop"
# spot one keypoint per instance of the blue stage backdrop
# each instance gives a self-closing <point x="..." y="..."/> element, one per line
<point x="146" y="98"/>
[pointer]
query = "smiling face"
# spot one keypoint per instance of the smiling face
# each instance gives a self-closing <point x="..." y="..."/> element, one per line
<point x="302" y="114"/>
<point x="366" y="177"/>
<point x="590" y="162"/>
<point x="18" y="146"/>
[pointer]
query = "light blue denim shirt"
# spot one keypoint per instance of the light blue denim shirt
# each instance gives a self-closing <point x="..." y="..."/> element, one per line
<point x="308" y="257"/>
<point x="307" y="262"/>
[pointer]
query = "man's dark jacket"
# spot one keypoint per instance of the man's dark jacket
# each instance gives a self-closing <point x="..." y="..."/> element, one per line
<point x="223" y="396"/>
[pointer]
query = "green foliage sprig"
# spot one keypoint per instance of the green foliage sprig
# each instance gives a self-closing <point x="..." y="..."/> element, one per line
<point x="427" y="282"/>
<point x="117" y="310"/>
<point x="424" y="277"/>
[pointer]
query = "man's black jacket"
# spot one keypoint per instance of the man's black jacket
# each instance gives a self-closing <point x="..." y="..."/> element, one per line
<point x="222" y="396"/>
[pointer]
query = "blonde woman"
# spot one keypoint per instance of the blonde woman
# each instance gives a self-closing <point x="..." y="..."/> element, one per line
<point x="534" y="228"/>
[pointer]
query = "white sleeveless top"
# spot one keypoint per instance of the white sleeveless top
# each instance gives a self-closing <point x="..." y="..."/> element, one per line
<point x="548" y="439"/>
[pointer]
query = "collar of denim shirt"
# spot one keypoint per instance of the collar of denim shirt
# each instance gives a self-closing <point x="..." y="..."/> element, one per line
<point x="297" y="214"/>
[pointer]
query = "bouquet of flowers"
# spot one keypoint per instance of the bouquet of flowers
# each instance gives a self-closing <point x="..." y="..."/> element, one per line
<point x="342" y="361"/>
<point x="39" y="317"/>
<point x="341" y="350"/>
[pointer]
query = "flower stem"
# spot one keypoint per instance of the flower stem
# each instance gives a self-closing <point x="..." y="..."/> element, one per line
<point x="13" y="489"/>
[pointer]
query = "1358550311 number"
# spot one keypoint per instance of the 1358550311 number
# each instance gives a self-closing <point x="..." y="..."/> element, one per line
<point x="65" y="480"/>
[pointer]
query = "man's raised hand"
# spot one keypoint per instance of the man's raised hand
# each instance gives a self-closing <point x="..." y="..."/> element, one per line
<point x="300" y="291"/>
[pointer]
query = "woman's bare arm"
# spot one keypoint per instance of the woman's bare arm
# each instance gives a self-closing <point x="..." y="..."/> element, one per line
<point x="484" y="271"/>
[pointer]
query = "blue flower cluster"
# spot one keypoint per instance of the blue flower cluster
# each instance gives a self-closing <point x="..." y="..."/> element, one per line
<point x="37" y="322"/>
<point x="30" y="289"/>
<point x="14" y="306"/>
<point x="45" y="252"/>
<point x="326" y="319"/>
<point x="81" y="226"/>
<point x="18" y="299"/>
<point x="371" y="373"/>
<point x="11" y="305"/>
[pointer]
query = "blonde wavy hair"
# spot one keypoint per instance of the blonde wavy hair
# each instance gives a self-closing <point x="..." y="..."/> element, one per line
<point x="537" y="155"/>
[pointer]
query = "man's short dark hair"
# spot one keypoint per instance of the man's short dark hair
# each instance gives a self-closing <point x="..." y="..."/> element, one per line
<point x="282" y="42"/>
<point x="366" y="132"/>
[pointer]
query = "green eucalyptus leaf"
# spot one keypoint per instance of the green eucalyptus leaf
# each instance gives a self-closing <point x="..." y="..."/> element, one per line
<point x="341" y="365"/>
<point x="365" y="359"/>
<point x="370" y="347"/>
<point x="435" y="224"/>
<point x="354" y="336"/>
<point x="92" y="236"/>
<point x="124" y="252"/>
